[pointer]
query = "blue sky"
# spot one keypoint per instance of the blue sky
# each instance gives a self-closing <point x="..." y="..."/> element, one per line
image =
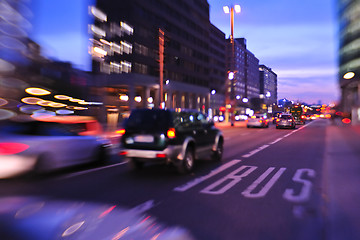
<point x="297" y="39"/>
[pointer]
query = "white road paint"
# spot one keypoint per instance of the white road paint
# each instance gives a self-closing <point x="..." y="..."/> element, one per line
<point x="255" y="151"/>
<point x="144" y="206"/>
<point x="305" y="191"/>
<point x="265" y="189"/>
<point x="196" y="181"/>
<point x="232" y="177"/>
<point x="277" y="140"/>
<point x="91" y="170"/>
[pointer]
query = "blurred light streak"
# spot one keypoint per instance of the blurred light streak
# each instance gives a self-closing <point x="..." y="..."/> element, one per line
<point x="120" y="234"/>
<point x="6" y="114"/>
<point x="3" y="102"/>
<point x="62" y="97"/>
<point x="107" y="211"/>
<point x="8" y="148"/>
<point x="29" y="210"/>
<point x="71" y="230"/>
<point x="37" y="91"/>
<point x="31" y="100"/>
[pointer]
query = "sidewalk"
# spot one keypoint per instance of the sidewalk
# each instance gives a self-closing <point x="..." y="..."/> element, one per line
<point x="341" y="181"/>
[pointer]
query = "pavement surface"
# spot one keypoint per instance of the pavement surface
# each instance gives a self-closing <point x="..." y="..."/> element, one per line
<point x="341" y="179"/>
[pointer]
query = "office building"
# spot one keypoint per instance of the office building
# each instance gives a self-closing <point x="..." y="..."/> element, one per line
<point x="349" y="57"/>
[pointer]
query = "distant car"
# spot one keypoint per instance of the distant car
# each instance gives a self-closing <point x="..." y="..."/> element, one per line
<point x="275" y="116"/>
<point x="167" y="136"/>
<point x="258" y="120"/>
<point x="285" y="121"/>
<point x="44" y="146"/>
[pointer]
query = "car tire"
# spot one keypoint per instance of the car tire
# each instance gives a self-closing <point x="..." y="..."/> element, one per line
<point x="135" y="164"/>
<point x="217" y="154"/>
<point x="42" y="165"/>
<point x="187" y="163"/>
<point x="102" y="155"/>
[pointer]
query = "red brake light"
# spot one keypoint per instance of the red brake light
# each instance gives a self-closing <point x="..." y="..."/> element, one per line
<point x="122" y="153"/>
<point x="171" y="133"/>
<point x="161" y="155"/>
<point x="9" y="148"/>
<point x="120" y="132"/>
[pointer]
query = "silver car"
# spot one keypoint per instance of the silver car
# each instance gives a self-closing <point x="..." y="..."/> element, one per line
<point x="38" y="146"/>
<point x="285" y="121"/>
<point x="258" y="120"/>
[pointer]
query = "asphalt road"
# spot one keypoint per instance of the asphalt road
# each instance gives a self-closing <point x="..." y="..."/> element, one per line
<point x="272" y="184"/>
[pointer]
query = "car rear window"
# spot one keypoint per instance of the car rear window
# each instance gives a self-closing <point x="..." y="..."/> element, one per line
<point x="148" y="119"/>
<point x="285" y="116"/>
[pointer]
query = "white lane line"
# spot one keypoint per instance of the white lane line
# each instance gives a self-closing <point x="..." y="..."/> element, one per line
<point x="277" y="140"/>
<point x="255" y="151"/>
<point x="196" y="181"/>
<point x="90" y="170"/>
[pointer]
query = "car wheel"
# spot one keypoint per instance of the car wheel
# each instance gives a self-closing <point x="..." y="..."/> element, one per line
<point x="135" y="164"/>
<point x="217" y="155"/>
<point x="187" y="163"/>
<point x="42" y="164"/>
<point x="101" y="155"/>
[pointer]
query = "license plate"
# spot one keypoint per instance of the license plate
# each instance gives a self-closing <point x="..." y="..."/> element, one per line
<point x="144" y="138"/>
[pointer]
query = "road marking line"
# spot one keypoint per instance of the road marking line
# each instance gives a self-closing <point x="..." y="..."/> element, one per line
<point x="277" y="140"/>
<point x="232" y="177"/>
<point x="247" y="193"/>
<point x="196" y="181"/>
<point x="255" y="151"/>
<point x="90" y="170"/>
<point x="144" y="206"/>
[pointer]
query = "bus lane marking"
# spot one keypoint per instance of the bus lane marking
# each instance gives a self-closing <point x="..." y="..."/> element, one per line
<point x="265" y="189"/>
<point x="196" y="181"/>
<point x="255" y="151"/>
<point x="305" y="191"/>
<point x="233" y="177"/>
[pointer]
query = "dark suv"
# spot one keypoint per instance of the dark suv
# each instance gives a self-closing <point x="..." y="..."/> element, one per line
<point x="167" y="136"/>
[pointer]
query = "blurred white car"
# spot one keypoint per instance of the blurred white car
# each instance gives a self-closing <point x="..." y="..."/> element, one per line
<point x="44" y="146"/>
<point x="258" y="120"/>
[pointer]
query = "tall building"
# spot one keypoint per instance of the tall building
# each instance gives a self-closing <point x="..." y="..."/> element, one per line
<point x="245" y="85"/>
<point x="349" y="56"/>
<point x="268" y="85"/>
<point x="192" y="52"/>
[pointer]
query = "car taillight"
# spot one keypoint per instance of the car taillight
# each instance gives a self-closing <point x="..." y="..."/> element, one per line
<point x="9" y="148"/>
<point x="171" y="133"/>
<point x="260" y="121"/>
<point x="290" y="120"/>
<point x="122" y="153"/>
<point x="120" y="132"/>
<point x="161" y="155"/>
<point x="277" y="120"/>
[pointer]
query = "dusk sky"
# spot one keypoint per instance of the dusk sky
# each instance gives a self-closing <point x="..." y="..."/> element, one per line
<point x="297" y="39"/>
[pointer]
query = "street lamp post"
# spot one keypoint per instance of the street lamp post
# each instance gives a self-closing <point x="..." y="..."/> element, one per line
<point x="230" y="99"/>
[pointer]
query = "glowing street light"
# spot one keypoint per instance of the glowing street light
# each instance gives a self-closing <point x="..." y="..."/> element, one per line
<point x="349" y="75"/>
<point x="231" y="10"/>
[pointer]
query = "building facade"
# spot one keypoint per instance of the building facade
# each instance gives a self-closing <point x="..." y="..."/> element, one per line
<point x="246" y="84"/>
<point x="349" y="57"/>
<point x="268" y="85"/>
<point x="192" y="52"/>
